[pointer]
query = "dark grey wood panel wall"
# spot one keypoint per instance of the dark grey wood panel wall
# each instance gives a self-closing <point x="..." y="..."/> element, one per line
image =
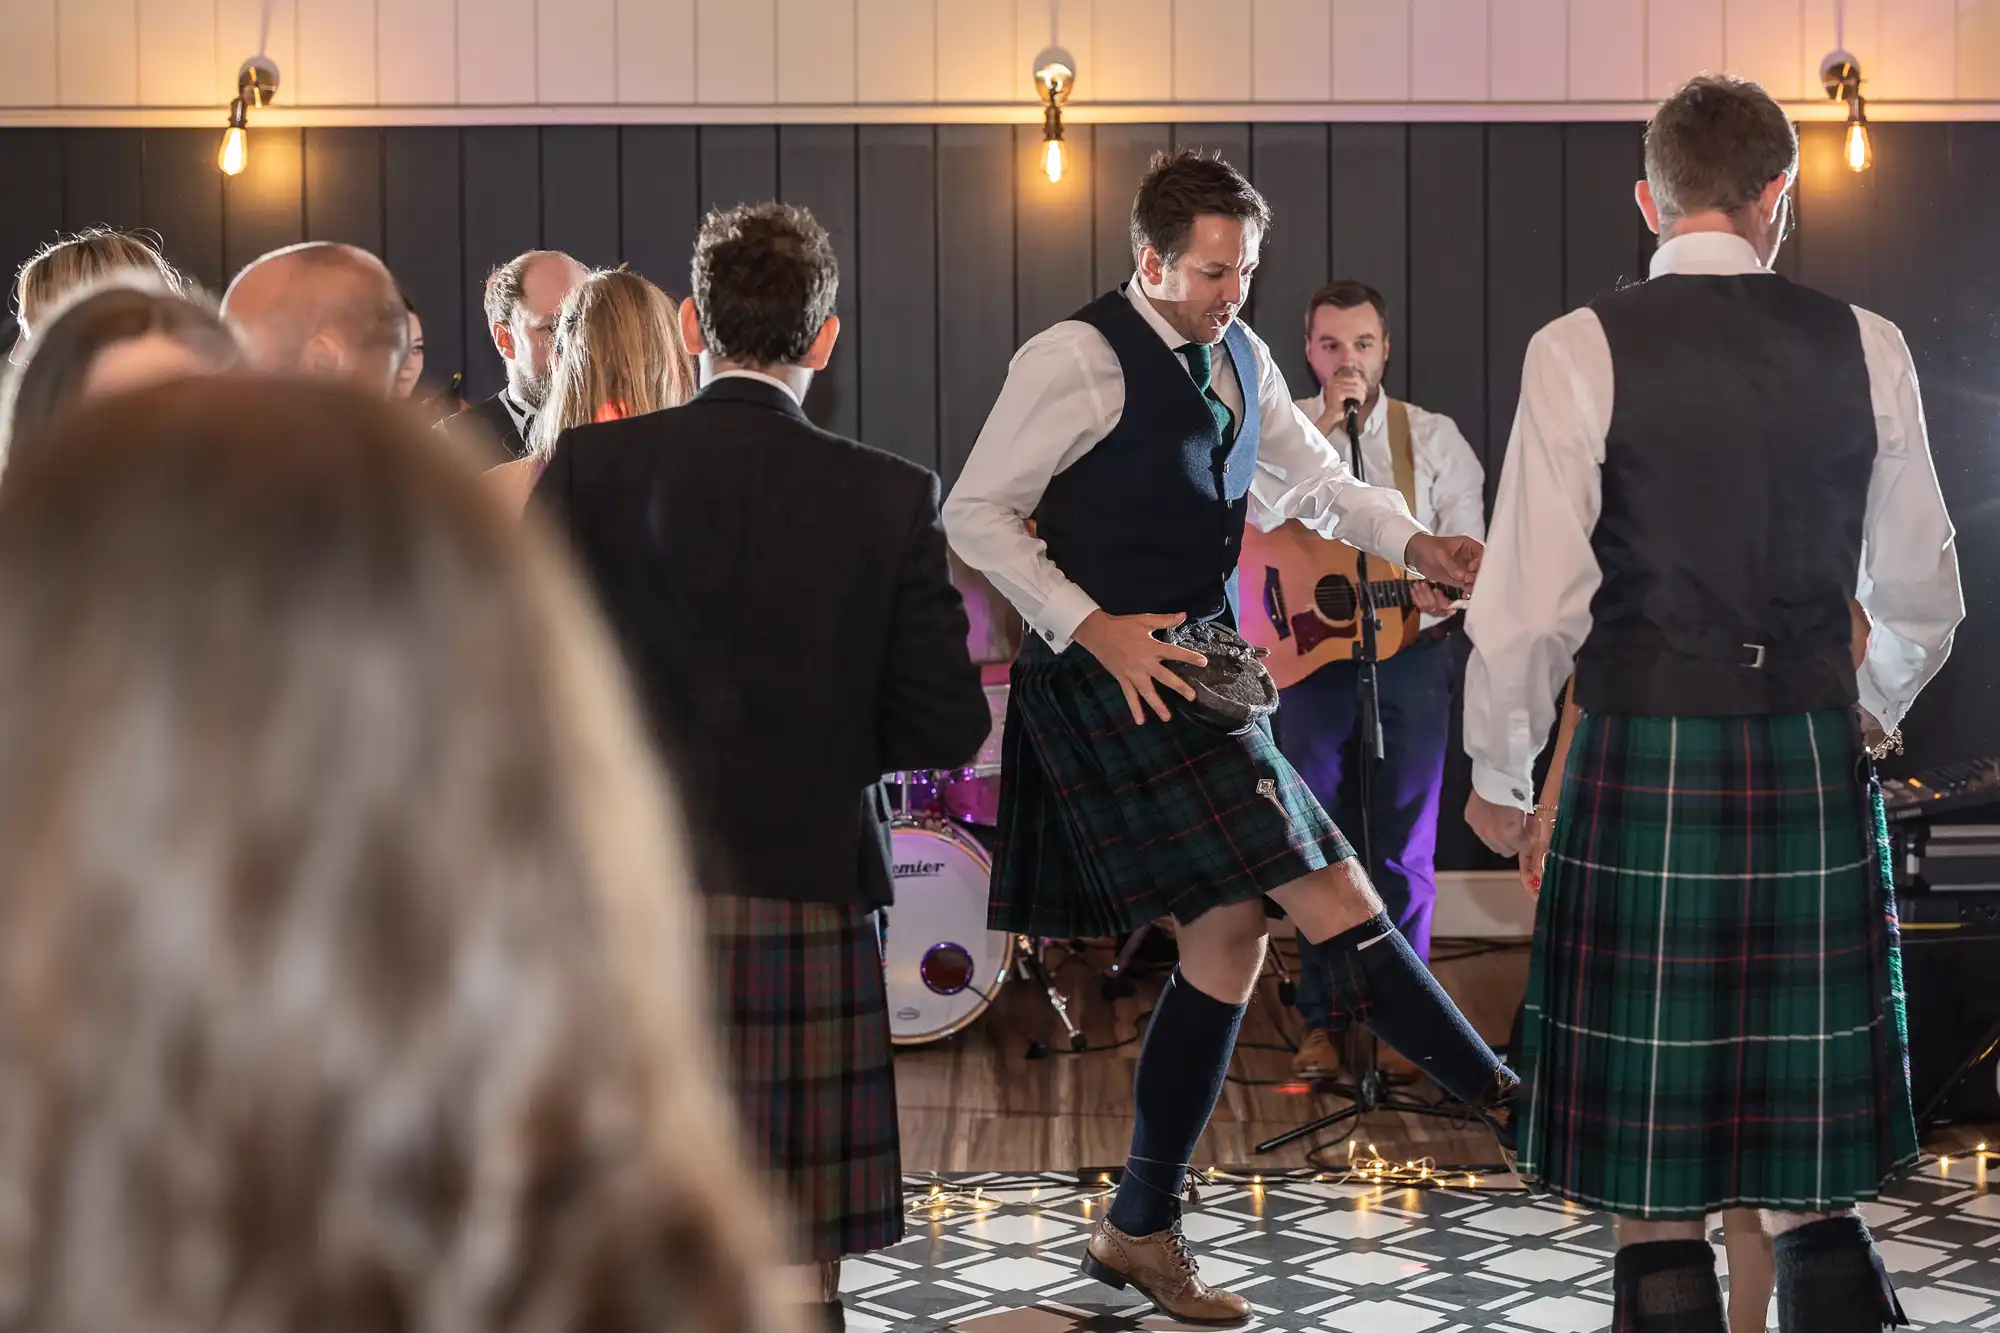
<point x="955" y="249"/>
<point x="954" y="245"/>
<point x="1912" y="240"/>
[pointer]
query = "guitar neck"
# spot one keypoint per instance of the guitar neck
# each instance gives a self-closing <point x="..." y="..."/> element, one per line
<point x="1396" y="592"/>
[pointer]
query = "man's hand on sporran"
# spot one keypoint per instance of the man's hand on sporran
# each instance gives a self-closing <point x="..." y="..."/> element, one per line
<point x="1136" y="660"/>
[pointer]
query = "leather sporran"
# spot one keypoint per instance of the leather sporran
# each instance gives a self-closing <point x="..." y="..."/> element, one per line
<point x="1234" y="692"/>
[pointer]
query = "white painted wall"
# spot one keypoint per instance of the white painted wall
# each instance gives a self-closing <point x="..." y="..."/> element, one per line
<point x="409" y="61"/>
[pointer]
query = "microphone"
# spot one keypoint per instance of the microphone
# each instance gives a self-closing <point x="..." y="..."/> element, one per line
<point x="1350" y="410"/>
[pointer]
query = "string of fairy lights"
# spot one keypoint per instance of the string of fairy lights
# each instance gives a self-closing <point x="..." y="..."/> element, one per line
<point x="940" y="1200"/>
<point x="1976" y="1159"/>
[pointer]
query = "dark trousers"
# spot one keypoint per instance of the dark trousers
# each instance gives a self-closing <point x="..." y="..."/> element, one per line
<point x="1319" y="731"/>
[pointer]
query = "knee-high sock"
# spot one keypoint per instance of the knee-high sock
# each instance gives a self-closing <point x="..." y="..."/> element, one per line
<point x="1181" y="1071"/>
<point x="1831" y="1279"/>
<point x="1667" y="1286"/>
<point x="1379" y="980"/>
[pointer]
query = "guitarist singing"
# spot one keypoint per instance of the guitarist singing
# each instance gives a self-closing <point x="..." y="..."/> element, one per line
<point x="1347" y="344"/>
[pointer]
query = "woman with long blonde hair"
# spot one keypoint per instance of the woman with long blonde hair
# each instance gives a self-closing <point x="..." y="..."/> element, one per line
<point x="618" y="354"/>
<point x="349" y="975"/>
<point x="123" y="332"/>
<point x="69" y="263"/>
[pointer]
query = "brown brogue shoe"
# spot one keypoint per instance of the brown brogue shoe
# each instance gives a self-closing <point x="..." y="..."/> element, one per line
<point x="1162" y="1270"/>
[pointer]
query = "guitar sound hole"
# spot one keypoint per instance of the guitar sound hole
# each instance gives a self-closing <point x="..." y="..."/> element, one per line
<point x="1335" y="598"/>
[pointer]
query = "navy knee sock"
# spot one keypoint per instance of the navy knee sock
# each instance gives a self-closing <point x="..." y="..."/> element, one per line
<point x="1378" y="980"/>
<point x="1831" y="1279"/>
<point x="1181" y="1071"/>
<point x="1667" y="1286"/>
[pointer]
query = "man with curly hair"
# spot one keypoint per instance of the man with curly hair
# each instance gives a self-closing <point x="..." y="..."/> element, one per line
<point x="785" y="600"/>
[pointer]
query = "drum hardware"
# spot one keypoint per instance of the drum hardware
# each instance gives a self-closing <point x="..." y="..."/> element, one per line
<point x="944" y="967"/>
<point x="1117" y="983"/>
<point x="1028" y="962"/>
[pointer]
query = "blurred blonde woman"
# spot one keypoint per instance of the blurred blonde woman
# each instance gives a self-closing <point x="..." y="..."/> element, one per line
<point x="348" y="976"/>
<point x="57" y="270"/>
<point x="124" y="332"/>
<point x="618" y="354"/>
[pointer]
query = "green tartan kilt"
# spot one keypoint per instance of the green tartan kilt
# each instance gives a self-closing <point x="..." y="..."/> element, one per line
<point x="1714" y="1016"/>
<point x="1106" y="825"/>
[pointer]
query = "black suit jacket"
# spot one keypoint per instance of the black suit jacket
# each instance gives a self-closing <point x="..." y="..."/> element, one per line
<point x="785" y="603"/>
<point x="490" y="426"/>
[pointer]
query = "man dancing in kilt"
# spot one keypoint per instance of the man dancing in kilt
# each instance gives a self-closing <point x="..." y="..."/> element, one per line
<point x="1106" y="498"/>
<point x="1704" y="469"/>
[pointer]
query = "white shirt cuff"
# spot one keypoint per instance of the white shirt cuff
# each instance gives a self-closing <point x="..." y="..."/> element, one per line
<point x="1502" y="789"/>
<point x="1395" y="534"/>
<point x="1067" y="607"/>
<point x="1878" y="705"/>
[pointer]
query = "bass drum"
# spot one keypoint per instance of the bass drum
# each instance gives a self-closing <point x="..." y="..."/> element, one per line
<point x="943" y="964"/>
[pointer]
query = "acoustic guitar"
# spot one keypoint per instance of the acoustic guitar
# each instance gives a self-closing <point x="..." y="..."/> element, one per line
<point x="1301" y="601"/>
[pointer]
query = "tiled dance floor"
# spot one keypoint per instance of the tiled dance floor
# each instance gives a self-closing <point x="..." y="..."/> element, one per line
<point x="1320" y="1254"/>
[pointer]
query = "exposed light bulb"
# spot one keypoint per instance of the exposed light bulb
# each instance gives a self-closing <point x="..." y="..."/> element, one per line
<point x="1055" y="75"/>
<point x="235" y="152"/>
<point x="1860" y="152"/>
<point x="1841" y="76"/>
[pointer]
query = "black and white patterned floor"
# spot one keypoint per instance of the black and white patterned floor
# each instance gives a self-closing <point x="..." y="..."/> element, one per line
<point x="1316" y="1253"/>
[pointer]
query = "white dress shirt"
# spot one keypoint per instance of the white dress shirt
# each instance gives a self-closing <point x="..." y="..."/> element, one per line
<point x="1450" y="483"/>
<point x="1064" y="393"/>
<point x="519" y="413"/>
<point x="1532" y="611"/>
<point x="760" y="377"/>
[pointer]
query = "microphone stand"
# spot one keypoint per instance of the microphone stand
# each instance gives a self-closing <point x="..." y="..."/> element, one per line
<point x="1368" y="1089"/>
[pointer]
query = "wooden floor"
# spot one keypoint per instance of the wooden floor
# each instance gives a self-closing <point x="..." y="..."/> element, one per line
<point x="976" y="1102"/>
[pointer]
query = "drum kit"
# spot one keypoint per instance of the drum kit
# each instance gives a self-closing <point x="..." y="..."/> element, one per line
<point x="944" y="967"/>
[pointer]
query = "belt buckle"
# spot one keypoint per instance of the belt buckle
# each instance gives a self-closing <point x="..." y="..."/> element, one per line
<point x="1756" y="661"/>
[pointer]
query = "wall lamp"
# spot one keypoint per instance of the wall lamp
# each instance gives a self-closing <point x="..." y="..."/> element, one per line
<point x="1055" y="75"/>
<point x="256" y="85"/>
<point x="1842" y="77"/>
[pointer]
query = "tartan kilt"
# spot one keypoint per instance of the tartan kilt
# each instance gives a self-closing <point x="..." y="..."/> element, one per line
<point x="805" y="1020"/>
<point x="1714" y="1016"/>
<point x="1106" y="826"/>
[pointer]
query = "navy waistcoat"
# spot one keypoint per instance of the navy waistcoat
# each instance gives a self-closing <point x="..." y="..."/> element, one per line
<point x="1151" y="519"/>
<point x="1736" y="471"/>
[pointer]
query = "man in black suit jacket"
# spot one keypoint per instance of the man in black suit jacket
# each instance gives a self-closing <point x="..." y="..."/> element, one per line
<point x="523" y="298"/>
<point x="784" y="597"/>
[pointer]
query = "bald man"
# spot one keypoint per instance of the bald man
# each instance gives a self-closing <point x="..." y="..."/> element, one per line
<point x="523" y="298"/>
<point x="321" y="309"/>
